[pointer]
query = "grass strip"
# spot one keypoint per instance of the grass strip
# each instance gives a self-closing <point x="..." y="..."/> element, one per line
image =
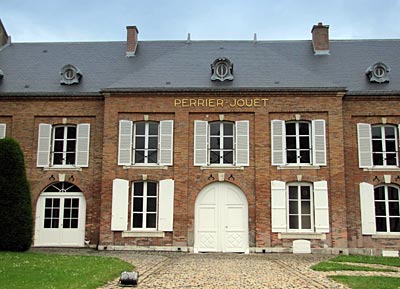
<point x="45" y="271"/>
<point x="358" y="282"/>
<point x="333" y="266"/>
<point x="388" y="261"/>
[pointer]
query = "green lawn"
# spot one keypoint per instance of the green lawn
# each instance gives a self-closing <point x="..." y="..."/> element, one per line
<point x="362" y="282"/>
<point x="35" y="270"/>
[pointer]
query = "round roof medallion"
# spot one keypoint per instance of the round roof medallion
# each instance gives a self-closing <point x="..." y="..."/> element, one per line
<point x="378" y="72"/>
<point x="70" y="74"/>
<point x="221" y="69"/>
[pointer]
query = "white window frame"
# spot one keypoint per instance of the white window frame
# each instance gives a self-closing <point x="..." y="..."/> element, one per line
<point x="383" y="142"/>
<point x="146" y="143"/>
<point x="299" y="208"/>
<point x="3" y="128"/>
<point x="298" y="149"/>
<point x="387" y="216"/>
<point x="221" y="149"/>
<point x="144" y="211"/>
<point x="65" y="142"/>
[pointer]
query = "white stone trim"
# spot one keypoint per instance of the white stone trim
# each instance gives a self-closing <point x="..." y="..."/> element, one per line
<point x="315" y="236"/>
<point x="142" y="167"/>
<point x="290" y="167"/>
<point x="130" y="234"/>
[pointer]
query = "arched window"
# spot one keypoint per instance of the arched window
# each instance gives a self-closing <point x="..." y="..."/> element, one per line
<point x="387" y="211"/>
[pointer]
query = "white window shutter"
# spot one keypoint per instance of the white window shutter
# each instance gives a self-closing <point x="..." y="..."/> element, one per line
<point x="44" y="144"/>
<point x="166" y="142"/>
<point x="364" y="145"/>
<point x="319" y="142"/>
<point x="278" y="206"/>
<point x="321" y="206"/>
<point x="119" y="213"/>
<point x="367" y="206"/>
<point x="278" y="142"/>
<point x="166" y="206"/>
<point x="125" y="142"/>
<point x="242" y="143"/>
<point x="2" y="130"/>
<point x="200" y="142"/>
<point x="82" y="145"/>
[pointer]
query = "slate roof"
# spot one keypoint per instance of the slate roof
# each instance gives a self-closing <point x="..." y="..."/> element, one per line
<point x="33" y="68"/>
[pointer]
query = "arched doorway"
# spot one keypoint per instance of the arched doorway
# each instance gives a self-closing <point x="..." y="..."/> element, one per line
<point x="221" y="219"/>
<point x="60" y="216"/>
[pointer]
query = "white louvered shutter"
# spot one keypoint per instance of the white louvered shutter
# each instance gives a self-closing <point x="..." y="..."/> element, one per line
<point x="82" y="145"/>
<point x="319" y="142"/>
<point x="119" y="210"/>
<point x="44" y="144"/>
<point x="200" y="142"/>
<point x="278" y="206"/>
<point x="367" y="206"/>
<point x="321" y="206"/>
<point x="364" y="145"/>
<point x="278" y="142"/>
<point x="166" y="142"/>
<point x="242" y="143"/>
<point x="166" y="206"/>
<point x="125" y="143"/>
<point x="2" y="130"/>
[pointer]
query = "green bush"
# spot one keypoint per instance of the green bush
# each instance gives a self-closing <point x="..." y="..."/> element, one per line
<point x="16" y="221"/>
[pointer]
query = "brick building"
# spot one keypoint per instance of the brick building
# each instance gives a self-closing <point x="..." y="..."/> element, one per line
<point x="209" y="146"/>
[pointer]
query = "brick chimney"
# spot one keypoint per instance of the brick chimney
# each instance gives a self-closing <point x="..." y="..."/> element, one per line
<point x="320" y="39"/>
<point x="131" y="40"/>
<point x="4" y="38"/>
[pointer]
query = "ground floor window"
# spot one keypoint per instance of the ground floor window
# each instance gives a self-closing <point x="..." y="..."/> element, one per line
<point x="300" y="204"/>
<point x="144" y="204"/>
<point x="387" y="211"/>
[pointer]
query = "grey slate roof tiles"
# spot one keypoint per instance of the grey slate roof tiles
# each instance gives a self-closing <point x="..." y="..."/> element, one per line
<point x="34" y="68"/>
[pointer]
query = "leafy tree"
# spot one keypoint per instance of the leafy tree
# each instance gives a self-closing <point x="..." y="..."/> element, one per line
<point x="16" y="220"/>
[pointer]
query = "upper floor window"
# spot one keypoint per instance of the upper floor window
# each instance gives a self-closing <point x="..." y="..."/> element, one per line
<point x="63" y="145"/>
<point x="380" y="209"/>
<point x="300" y="207"/>
<point x="298" y="142"/>
<point x="221" y="143"/>
<point x="377" y="145"/>
<point x="145" y="142"/>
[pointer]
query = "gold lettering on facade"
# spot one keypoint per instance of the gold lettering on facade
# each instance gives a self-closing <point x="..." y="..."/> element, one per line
<point x="220" y="102"/>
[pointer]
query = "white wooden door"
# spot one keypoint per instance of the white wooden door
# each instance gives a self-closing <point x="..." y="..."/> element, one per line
<point x="221" y="219"/>
<point x="60" y="220"/>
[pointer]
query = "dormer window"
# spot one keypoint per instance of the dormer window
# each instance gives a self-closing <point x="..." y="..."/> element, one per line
<point x="222" y="69"/>
<point x="378" y="72"/>
<point x="70" y="74"/>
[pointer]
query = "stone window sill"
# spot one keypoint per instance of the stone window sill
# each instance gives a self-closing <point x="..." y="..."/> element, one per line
<point x="316" y="236"/>
<point x="150" y="167"/>
<point x="222" y="168"/>
<point x="289" y="167"/>
<point x="382" y="169"/>
<point x="378" y="236"/>
<point x="62" y="169"/>
<point x="143" y="234"/>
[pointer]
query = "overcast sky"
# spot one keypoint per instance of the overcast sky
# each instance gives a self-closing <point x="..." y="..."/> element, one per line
<point x="99" y="20"/>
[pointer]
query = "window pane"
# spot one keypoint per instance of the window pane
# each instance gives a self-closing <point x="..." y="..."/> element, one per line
<point x="153" y="143"/>
<point x="56" y="203"/>
<point x="376" y="145"/>
<point x="293" y="207"/>
<point x="48" y="202"/>
<point x="139" y="157"/>
<point x="138" y="204"/>
<point x="378" y="159"/>
<point x="47" y="223"/>
<point x="394" y="224"/>
<point x="228" y="129"/>
<point x="54" y="223"/>
<point x="228" y="157"/>
<point x="71" y="132"/>
<point x="139" y="142"/>
<point x="381" y="224"/>
<point x="304" y="128"/>
<point x="305" y="207"/>
<point x="151" y="204"/>
<point x="75" y="213"/>
<point x="153" y="128"/>
<point x="58" y="146"/>
<point x="393" y="193"/>
<point x="228" y="143"/>
<point x="293" y="222"/>
<point x="376" y="132"/>
<point x="291" y="157"/>
<point x="214" y="142"/>
<point x="293" y="192"/>
<point x="140" y="128"/>
<point x="151" y="221"/>
<point x="66" y="223"/>
<point x="379" y="193"/>
<point x="214" y="157"/>
<point x="305" y="157"/>
<point x="394" y="209"/>
<point x="290" y="128"/>
<point x="74" y="223"/>
<point x="70" y="159"/>
<point x="305" y="142"/>
<point x="389" y="132"/>
<point x="151" y="189"/>
<point x="215" y="128"/>
<point x="291" y="142"/>
<point x="380" y="209"/>
<point x="152" y="157"/>
<point x="391" y="159"/>
<point x="67" y="213"/>
<point x="137" y="220"/>
<point x="305" y="192"/>
<point x="59" y="132"/>
<point x="138" y="189"/>
<point x="390" y="146"/>
<point x="75" y="203"/>
<point x="67" y="203"/>
<point x="306" y="222"/>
